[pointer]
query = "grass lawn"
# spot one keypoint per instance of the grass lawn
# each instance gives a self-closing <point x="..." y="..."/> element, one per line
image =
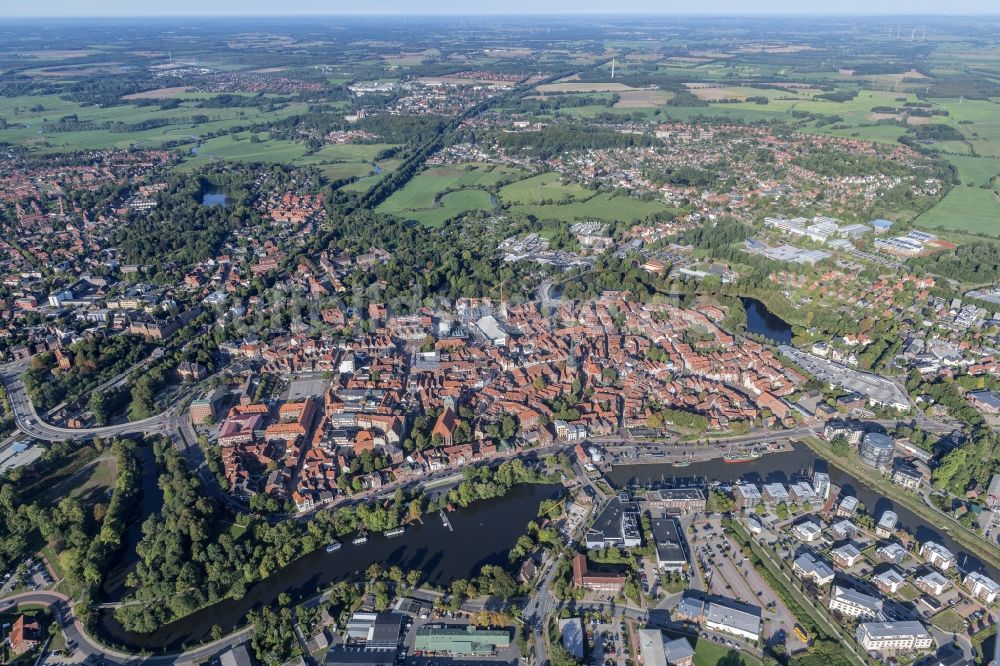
<point x="604" y="206"/>
<point x="451" y="205"/>
<point x="541" y="187"/>
<point x="238" y="528"/>
<point x="79" y="459"/>
<point x="350" y="152"/>
<point x="421" y="191"/>
<point x="365" y="182"/>
<point x="342" y="170"/>
<point x="968" y="208"/>
<point x="908" y="592"/>
<point x="347" y="159"/>
<point x="949" y="621"/>
<point x="98" y="476"/>
<point x="421" y="198"/>
<point x="239" y="148"/>
<point x="707" y="653"/>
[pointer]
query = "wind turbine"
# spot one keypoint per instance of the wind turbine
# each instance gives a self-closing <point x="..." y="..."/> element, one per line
<point x="612" y="67"/>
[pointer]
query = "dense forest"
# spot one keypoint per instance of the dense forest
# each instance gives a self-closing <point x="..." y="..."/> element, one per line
<point x="976" y="262"/>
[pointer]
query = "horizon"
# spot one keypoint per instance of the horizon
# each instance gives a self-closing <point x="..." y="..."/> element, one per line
<point x="192" y="9"/>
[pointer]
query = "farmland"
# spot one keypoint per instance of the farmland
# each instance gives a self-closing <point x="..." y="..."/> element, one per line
<point x="604" y="206"/>
<point x="31" y="123"/>
<point x="972" y="206"/>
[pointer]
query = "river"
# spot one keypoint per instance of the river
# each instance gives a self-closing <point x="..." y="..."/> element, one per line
<point x="762" y="321"/>
<point x="483" y="534"/>
<point x="781" y="468"/>
<point x="150" y="501"/>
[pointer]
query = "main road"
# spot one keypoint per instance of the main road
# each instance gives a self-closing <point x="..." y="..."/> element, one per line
<point x="62" y="610"/>
<point x="28" y="420"/>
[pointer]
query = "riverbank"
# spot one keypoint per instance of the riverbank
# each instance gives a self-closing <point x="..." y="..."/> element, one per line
<point x="483" y="533"/>
<point x="629" y="453"/>
<point x="878" y="495"/>
<point x="979" y="547"/>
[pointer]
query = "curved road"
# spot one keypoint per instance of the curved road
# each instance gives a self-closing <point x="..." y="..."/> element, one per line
<point x="29" y="422"/>
<point x="62" y="608"/>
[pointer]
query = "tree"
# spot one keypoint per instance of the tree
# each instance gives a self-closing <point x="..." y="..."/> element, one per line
<point x="731" y="658"/>
<point x="412" y="577"/>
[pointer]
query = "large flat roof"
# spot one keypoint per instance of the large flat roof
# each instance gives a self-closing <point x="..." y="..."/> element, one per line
<point x="669" y="542"/>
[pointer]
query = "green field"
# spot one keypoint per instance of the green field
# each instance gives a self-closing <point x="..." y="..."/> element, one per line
<point x="341" y="160"/>
<point x="982" y="122"/>
<point x="96" y="477"/>
<point x="429" y="198"/>
<point x="545" y="186"/>
<point x="604" y="206"/>
<point x="25" y="125"/>
<point x="707" y="653"/>
<point x="452" y="205"/>
<point x="968" y="208"/>
<point x="351" y="152"/>
<point x="341" y="170"/>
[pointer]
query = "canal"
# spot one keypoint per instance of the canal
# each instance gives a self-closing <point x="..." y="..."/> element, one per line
<point x="762" y="321"/>
<point x="483" y="534"/>
<point x="784" y="467"/>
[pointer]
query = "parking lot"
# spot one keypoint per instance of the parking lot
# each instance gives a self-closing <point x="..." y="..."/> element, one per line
<point x="606" y="643"/>
<point x="36" y="577"/>
<point x="877" y="388"/>
<point x="730" y="574"/>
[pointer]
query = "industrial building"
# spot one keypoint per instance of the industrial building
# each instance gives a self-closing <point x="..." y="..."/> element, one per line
<point x="377" y="631"/>
<point x="618" y="525"/>
<point x="658" y="651"/>
<point x="723" y="615"/>
<point x="670" y="553"/>
<point x="465" y="640"/>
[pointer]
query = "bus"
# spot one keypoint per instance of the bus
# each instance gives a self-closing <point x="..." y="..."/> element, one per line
<point x="801" y="633"/>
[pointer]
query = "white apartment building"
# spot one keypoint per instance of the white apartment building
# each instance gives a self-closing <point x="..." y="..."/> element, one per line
<point x="893" y="636"/>
<point x="852" y="603"/>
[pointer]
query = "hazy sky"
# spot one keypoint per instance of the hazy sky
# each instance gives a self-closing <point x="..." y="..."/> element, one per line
<point x="57" y="8"/>
<point x="73" y="8"/>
